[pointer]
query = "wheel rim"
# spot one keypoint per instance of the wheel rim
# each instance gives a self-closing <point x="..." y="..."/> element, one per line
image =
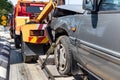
<point x="61" y="57"/>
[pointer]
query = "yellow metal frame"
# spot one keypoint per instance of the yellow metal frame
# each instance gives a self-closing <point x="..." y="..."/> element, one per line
<point x="26" y="34"/>
<point x="20" y="21"/>
<point x="25" y="28"/>
<point x="26" y="31"/>
<point x="48" y="8"/>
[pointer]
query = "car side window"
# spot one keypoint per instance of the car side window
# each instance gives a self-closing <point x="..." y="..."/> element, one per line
<point x="107" y="5"/>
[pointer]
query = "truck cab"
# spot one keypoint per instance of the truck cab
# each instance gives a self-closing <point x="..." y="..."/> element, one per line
<point x="90" y="38"/>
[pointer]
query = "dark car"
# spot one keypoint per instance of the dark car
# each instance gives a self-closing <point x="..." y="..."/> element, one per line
<point x="90" y="38"/>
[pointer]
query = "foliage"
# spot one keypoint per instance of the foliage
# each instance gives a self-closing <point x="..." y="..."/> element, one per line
<point x="6" y="7"/>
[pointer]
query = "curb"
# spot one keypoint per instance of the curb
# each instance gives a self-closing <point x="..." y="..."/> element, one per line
<point x="5" y="61"/>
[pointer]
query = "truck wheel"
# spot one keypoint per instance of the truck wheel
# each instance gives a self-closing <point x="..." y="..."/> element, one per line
<point x="63" y="56"/>
<point x="17" y="40"/>
<point x="17" y="46"/>
<point x="11" y="34"/>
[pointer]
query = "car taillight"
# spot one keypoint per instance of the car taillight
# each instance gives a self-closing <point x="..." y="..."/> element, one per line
<point x="36" y="32"/>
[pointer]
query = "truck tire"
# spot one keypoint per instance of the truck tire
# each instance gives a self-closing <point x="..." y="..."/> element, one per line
<point x="11" y="34"/>
<point x="63" y="56"/>
<point x="17" y="40"/>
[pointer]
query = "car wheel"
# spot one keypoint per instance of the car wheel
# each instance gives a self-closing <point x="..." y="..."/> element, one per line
<point x="63" y="57"/>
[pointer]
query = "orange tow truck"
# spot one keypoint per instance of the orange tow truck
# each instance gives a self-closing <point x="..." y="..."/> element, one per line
<point x="30" y="19"/>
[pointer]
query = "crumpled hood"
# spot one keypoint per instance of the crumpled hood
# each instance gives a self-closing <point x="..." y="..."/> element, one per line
<point x="70" y="21"/>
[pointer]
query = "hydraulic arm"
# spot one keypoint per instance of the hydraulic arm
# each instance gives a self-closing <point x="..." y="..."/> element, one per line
<point x="48" y="8"/>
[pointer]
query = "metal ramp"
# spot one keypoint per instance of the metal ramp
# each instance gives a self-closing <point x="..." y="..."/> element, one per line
<point x="51" y="72"/>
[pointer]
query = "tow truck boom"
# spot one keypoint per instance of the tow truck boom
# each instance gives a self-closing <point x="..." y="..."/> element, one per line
<point x="48" y="8"/>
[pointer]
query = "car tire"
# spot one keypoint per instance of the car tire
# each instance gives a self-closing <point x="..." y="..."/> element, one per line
<point x="63" y="56"/>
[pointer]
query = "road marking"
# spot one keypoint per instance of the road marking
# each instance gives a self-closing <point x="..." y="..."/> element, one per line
<point x="3" y="72"/>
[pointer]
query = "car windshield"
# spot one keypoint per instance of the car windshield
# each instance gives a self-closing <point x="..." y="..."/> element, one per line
<point x="34" y="9"/>
<point x="110" y="5"/>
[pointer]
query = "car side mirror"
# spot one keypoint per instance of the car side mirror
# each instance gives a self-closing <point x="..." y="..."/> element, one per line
<point x="89" y="5"/>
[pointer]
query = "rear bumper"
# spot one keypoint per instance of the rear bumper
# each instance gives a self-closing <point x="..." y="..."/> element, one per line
<point x="34" y="33"/>
<point x="37" y="39"/>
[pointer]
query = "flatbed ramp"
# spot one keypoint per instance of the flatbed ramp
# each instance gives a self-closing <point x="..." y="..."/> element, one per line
<point x="32" y="71"/>
<point x="51" y="71"/>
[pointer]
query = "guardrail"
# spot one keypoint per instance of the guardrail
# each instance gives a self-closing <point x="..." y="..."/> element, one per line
<point x="4" y="60"/>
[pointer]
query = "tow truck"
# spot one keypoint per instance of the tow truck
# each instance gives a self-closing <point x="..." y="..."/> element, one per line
<point x="29" y="22"/>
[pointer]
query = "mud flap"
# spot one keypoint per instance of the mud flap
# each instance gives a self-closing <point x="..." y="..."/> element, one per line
<point x="31" y="51"/>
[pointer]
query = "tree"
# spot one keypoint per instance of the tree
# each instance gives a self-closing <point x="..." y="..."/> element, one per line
<point x="6" y="7"/>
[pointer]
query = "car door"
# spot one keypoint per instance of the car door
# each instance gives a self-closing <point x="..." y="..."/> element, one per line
<point x="99" y="48"/>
